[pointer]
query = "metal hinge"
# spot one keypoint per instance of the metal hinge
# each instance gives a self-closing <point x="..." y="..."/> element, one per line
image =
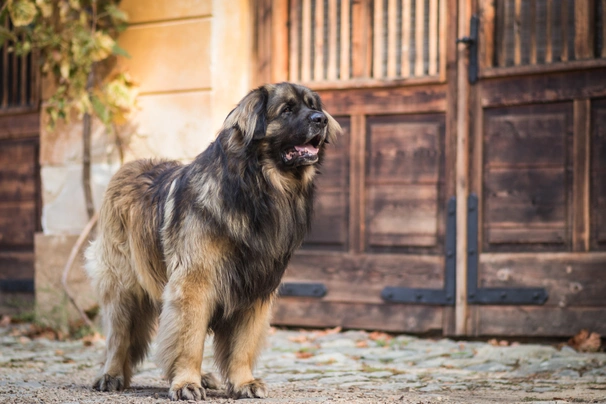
<point x="17" y="285"/>
<point x="303" y="289"/>
<point x="443" y="297"/>
<point x="476" y="295"/>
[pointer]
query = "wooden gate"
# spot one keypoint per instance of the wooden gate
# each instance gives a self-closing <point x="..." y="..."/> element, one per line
<point x="538" y="165"/>
<point x="509" y="121"/>
<point x="19" y="170"/>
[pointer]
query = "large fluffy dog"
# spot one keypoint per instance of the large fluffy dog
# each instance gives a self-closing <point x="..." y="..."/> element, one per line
<point x="205" y="245"/>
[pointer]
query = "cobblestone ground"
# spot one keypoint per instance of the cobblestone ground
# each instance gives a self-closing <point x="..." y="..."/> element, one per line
<point x="326" y="366"/>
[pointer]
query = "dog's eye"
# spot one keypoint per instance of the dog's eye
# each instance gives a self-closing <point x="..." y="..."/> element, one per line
<point x="287" y="109"/>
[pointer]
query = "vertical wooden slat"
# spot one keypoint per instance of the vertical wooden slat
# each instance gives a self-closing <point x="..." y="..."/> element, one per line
<point x="583" y="29"/>
<point x="502" y="50"/>
<point x="487" y="38"/>
<point x="419" y="34"/>
<point x="564" y="14"/>
<point x="392" y="16"/>
<point x="14" y="84"/>
<point x="533" y="32"/>
<point x="332" y="40"/>
<point x="345" y="40"/>
<point x="433" y="37"/>
<point x="581" y="175"/>
<point x="279" y="41"/>
<point x="24" y="82"/>
<point x="35" y="78"/>
<point x="517" y="32"/>
<point x="604" y="28"/>
<point x="442" y="38"/>
<point x="306" y="39"/>
<point x="464" y="11"/>
<point x="377" y="58"/>
<point x="360" y="32"/>
<point x="5" y="70"/>
<point x="357" y="222"/>
<point x="548" y="38"/>
<point x="319" y="41"/>
<point x="406" y="17"/>
<point x="294" y="41"/>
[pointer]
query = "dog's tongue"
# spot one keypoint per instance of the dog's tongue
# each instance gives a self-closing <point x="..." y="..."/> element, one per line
<point x="307" y="148"/>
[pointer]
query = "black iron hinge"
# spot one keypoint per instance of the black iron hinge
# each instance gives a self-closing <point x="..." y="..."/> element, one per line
<point x="303" y="289"/>
<point x="476" y="295"/>
<point x="443" y="297"/>
<point x="472" y="45"/>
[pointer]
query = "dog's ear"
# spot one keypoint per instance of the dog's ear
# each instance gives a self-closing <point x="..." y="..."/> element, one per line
<point x="250" y="116"/>
<point x="333" y="129"/>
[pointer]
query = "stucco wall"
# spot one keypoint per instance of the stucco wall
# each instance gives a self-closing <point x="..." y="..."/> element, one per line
<point x="192" y="60"/>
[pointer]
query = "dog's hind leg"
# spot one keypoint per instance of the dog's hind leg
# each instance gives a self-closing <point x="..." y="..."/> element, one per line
<point x="238" y="343"/>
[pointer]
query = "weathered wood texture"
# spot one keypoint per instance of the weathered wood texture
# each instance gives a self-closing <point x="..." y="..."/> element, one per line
<point x="526" y="186"/>
<point x="598" y="175"/>
<point x="387" y="317"/>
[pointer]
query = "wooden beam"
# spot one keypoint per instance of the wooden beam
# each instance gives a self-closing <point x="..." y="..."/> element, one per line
<point x="319" y="42"/>
<point x="462" y="164"/>
<point x="533" y="32"/>
<point x="419" y="37"/>
<point x="345" y="41"/>
<point x="295" y="44"/>
<point x="564" y="16"/>
<point x="517" y="33"/>
<point x="392" y="15"/>
<point x="548" y="31"/>
<point x="406" y="17"/>
<point x="442" y="36"/>
<point x="433" y="37"/>
<point x="333" y="50"/>
<point x="306" y="42"/>
<point x="603" y="28"/>
<point x="279" y="41"/>
<point x="581" y="174"/>
<point x="377" y="49"/>
<point x="583" y="29"/>
<point x="487" y="37"/>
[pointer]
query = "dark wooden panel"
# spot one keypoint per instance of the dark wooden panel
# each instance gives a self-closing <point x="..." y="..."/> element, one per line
<point x="385" y="317"/>
<point x="18" y="167"/>
<point x="17" y="265"/>
<point x="330" y="229"/>
<point x="543" y="87"/>
<point x="429" y="98"/>
<point x="17" y="223"/>
<point x="571" y="279"/>
<point x="598" y="175"/>
<point x="360" y="278"/>
<point x="404" y="151"/>
<point x="402" y="215"/>
<point x="526" y="178"/>
<point x="404" y="175"/>
<point x="538" y="321"/>
<point x="20" y="126"/>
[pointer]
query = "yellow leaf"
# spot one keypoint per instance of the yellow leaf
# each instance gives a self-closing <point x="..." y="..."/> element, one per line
<point x="22" y="12"/>
<point x="64" y="68"/>
<point x="103" y="46"/>
<point x="46" y="8"/>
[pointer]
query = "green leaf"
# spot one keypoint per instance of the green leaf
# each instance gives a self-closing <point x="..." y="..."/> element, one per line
<point x="101" y="110"/>
<point x="118" y="51"/>
<point x="22" y="12"/>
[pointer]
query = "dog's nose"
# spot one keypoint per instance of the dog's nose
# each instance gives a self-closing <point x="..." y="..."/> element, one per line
<point x="318" y="118"/>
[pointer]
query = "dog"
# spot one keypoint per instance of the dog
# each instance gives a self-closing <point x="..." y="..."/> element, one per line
<point x="204" y="246"/>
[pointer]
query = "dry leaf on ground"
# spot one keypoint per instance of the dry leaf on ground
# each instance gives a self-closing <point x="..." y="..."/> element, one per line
<point x="584" y="341"/>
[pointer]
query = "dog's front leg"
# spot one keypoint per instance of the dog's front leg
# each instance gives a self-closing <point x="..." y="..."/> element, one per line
<point x="238" y="343"/>
<point x="187" y="306"/>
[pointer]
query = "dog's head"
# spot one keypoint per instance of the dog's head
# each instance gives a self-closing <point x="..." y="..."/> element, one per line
<point x="286" y="121"/>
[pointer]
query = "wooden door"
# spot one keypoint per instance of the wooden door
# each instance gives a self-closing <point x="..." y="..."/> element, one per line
<point x="19" y="171"/>
<point x="385" y="70"/>
<point x="537" y="166"/>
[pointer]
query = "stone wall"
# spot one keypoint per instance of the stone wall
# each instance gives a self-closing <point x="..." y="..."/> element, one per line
<point x="191" y="59"/>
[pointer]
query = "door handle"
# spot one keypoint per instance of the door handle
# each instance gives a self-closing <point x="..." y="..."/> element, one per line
<point x="471" y="42"/>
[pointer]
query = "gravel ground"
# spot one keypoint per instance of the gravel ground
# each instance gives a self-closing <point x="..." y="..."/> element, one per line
<point x="325" y="366"/>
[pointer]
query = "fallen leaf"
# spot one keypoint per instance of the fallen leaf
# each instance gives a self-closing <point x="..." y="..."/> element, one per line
<point x="300" y="339"/>
<point x="584" y="341"/>
<point x="362" y="344"/>
<point x="5" y="321"/>
<point x="379" y="336"/>
<point x="493" y="342"/>
<point x="303" y="354"/>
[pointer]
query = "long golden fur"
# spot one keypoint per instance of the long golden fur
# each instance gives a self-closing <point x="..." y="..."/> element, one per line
<point x="205" y="245"/>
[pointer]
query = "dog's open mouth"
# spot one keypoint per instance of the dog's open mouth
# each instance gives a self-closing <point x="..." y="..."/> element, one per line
<point x="303" y="154"/>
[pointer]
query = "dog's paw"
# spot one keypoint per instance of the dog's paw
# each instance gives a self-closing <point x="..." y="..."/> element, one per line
<point x="109" y="383"/>
<point x="254" y="389"/>
<point x="189" y="391"/>
<point x="209" y="381"/>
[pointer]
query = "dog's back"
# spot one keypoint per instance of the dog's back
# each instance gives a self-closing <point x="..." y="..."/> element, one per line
<point x="127" y="240"/>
